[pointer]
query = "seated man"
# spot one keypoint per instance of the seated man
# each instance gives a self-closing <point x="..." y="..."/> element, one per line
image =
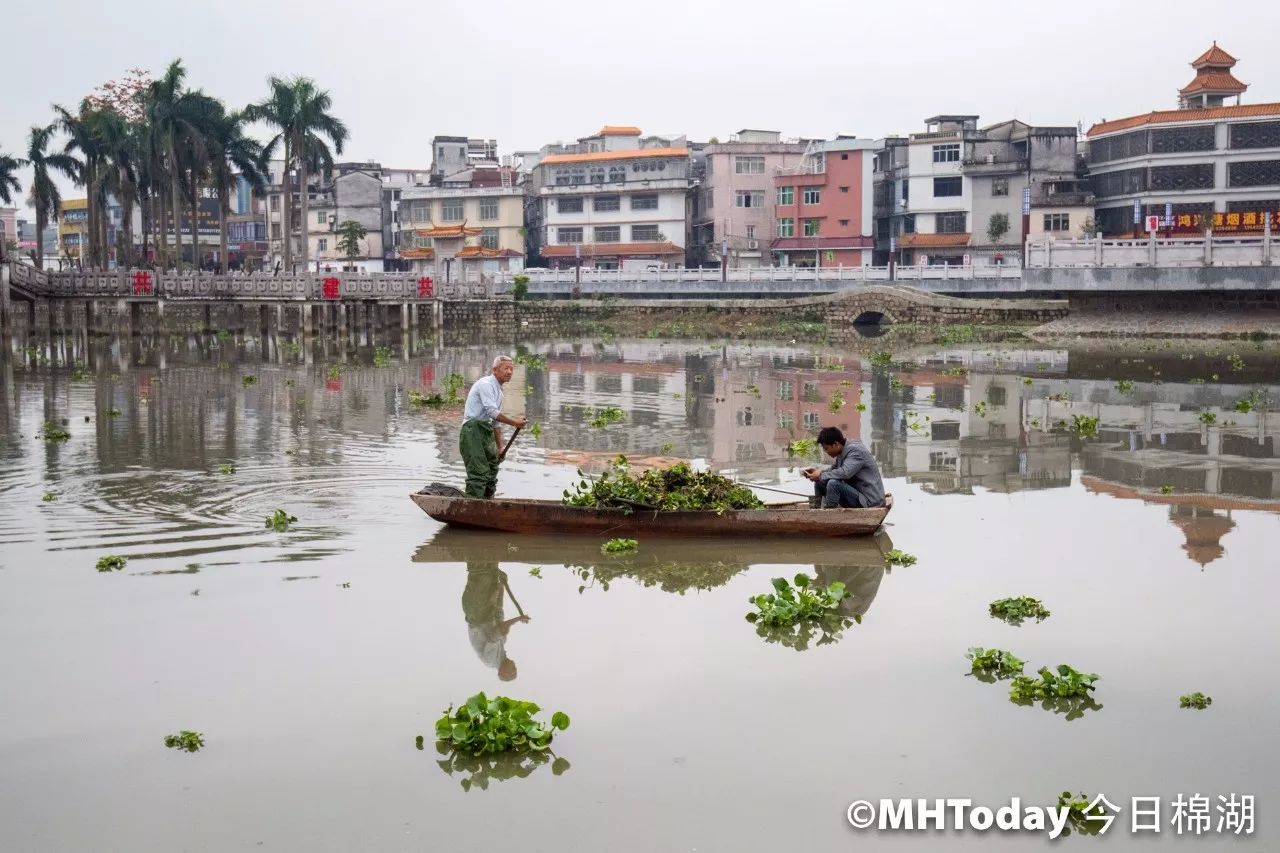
<point x="854" y="479"/>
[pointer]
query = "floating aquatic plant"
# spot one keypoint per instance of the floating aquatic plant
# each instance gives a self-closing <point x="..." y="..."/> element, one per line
<point x="382" y="357"/>
<point x="1197" y="701"/>
<point x="894" y="557"/>
<point x="111" y="563"/>
<point x="994" y="662"/>
<point x="54" y="433"/>
<point x="184" y="740"/>
<point x="1016" y="610"/>
<point x="619" y="546"/>
<point x="501" y="724"/>
<point x="279" y="521"/>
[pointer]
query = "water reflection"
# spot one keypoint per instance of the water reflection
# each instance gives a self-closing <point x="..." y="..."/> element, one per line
<point x="483" y="600"/>
<point x="478" y="771"/>
<point x="321" y="421"/>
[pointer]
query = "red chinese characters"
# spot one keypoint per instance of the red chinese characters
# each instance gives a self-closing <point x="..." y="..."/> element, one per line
<point x="331" y="285"/>
<point x="424" y="286"/>
<point x="142" y="283"/>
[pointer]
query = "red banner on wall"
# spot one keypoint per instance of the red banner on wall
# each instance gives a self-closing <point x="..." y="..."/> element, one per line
<point x="1252" y="221"/>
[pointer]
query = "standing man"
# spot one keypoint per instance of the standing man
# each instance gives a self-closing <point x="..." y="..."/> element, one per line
<point x="480" y="440"/>
<point x="853" y="480"/>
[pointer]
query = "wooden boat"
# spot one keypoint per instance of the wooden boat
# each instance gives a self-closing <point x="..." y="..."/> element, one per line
<point x="513" y="515"/>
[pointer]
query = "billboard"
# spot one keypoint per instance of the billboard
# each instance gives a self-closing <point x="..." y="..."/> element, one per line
<point x="206" y="218"/>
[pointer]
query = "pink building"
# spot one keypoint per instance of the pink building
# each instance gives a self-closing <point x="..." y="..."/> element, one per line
<point x="822" y="208"/>
<point x="8" y="230"/>
<point x="732" y="209"/>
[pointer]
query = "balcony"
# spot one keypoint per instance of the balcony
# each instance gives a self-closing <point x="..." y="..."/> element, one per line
<point x="1067" y="199"/>
<point x="994" y="165"/>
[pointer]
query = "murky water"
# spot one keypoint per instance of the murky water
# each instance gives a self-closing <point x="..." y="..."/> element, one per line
<point x="311" y="659"/>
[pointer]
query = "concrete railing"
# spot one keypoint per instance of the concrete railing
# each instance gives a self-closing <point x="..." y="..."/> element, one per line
<point x="143" y="284"/>
<point x="1152" y="252"/>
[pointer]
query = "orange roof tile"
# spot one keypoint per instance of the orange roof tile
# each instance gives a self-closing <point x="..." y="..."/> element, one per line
<point x="932" y="241"/>
<point x="446" y="231"/>
<point x="1214" y="56"/>
<point x="600" y="249"/>
<point x="618" y="130"/>
<point x="482" y="252"/>
<point x="1174" y="116"/>
<point x="596" y="156"/>
<point x="418" y="254"/>
<point x="1213" y="81"/>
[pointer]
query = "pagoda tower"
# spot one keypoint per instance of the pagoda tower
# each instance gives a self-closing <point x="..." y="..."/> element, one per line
<point x="1213" y="83"/>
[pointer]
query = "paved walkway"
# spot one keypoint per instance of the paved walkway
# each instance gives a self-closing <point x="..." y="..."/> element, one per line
<point x="1164" y="324"/>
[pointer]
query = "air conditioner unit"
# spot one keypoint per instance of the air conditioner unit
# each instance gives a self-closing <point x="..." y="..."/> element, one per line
<point x="753" y="244"/>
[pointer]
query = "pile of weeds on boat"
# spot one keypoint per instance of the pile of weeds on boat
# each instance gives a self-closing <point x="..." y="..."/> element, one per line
<point x="678" y="487"/>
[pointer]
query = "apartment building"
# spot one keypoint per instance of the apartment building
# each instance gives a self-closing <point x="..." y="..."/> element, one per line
<point x="464" y="229"/>
<point x="732" y="210"/>
<point x="823" y="206"/>
<point x="612" y="200"/>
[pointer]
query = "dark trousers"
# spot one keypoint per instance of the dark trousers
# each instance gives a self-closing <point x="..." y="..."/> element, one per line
<point x="480" y="455"/>
<point x="839" y="493"/>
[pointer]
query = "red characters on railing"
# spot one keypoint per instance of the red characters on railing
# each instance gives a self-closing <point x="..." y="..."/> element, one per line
<point x="142" y="283"/>
<point x="331" y="287"/>
<point x="424" y="286"/>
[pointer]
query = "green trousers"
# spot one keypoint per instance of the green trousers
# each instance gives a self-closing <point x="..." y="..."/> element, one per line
<point x="480" y="454"/>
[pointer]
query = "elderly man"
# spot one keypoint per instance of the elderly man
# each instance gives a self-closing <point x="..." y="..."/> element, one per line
<point x="854" y="479"/>
<point x="480" y="440"/>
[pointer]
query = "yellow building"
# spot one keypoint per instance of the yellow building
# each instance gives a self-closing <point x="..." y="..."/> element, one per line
<point x="73" y="226"/>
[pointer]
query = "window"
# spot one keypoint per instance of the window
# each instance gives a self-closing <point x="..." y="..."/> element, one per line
<point x="489" y="238"/>
<point x="489" y="208"/>
<point x="950" y="223"/>
<point x="617" y="174"/>
<point x="786" y="195"/>
<point x="786" y="421"/>
<point x="751" y="232"/>
<point x="748" y="165"/>
<point x="812" y="195"/>
<point x="275" y="203"/>
<point x="844" y="223"/>
<point x="595" y="175"/>
<point x="811" y="420"/>
<point x="451" y="211"/>
<point x="909" y="224"/>
<point x="999" y="186"/>
<point x="711" y="200"/>
<point x="944" y="187"/>
<point x="1057" y="222"/>
<point x="786" y="228"/>
<point x="786" y="389"/>
<point x="844" y="189"/>
<point x="645" y="233"/>
<point x="606" y="203"/>
<point x="644" y="202"/>
<point x="422" y="212"/>
<point x="608" y="234"/>
<point x="997" y="396"/>
<point x="322" y="245"/>
<point x="570" y="205"/>
<point x="811" y="227"/>
<point x="275" y="230"/>
<point x="749" y="198"/>
<point x="320" y="217"/>
<point x="568" y="235"/>
<point x="946" y="153"/>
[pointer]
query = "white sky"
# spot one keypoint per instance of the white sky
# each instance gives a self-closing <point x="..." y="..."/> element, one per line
<point x="531" y="73"/>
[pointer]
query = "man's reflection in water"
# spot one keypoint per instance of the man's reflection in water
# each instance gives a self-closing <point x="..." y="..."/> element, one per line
<point x="861" y="582"/>
<point x="482" y="605"/>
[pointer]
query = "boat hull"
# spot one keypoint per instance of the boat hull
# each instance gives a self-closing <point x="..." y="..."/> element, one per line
<point x="529" y="516"/>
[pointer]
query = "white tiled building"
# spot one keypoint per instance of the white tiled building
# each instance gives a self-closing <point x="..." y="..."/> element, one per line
<point x="613" y="200"/>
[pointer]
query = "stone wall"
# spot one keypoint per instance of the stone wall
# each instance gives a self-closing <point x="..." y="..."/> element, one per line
<point x="1191" y="304"/>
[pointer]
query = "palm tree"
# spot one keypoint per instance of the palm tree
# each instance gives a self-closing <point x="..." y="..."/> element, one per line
<point x="172" y="115"/>
<point x="45" y="197"/>
<point x="8" y="182"/>
<point x="103" y="138"/>
<point x="8" y="185"/>
<point x="235" y="155"/>
<point x="300" y="112"/>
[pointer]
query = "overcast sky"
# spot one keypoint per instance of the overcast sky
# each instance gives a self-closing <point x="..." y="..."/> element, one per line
<point x="530" y="73"/>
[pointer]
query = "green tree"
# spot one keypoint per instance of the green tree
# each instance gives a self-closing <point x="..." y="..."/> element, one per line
<point x="997" y="227"/>
<point x="8" y="180"/>
<point x="300" y="113"/>
<point x="351" y="233"/>
<point x="44" y="192"/>
<point x="172" y="116"/>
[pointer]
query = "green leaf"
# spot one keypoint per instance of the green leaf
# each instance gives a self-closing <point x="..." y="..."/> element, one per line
<point x="560" y="720"/>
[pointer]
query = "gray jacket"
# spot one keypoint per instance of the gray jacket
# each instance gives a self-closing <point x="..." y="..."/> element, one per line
<point x="856" y="466"/>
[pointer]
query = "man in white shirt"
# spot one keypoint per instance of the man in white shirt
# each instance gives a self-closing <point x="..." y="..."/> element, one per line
<point x="480" y="440"/>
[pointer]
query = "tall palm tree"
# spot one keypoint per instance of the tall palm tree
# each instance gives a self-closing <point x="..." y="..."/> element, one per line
<point x="172" y="114"/>
<point x="235" y="156"/>
<point x="103" y="138"/>
<point x="8" y="186"/>
<point x="45" y="197"/>
<point x="300" y="112"/>
<point x="8" y="181"/>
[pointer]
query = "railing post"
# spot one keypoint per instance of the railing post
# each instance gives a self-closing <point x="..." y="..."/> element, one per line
<point x="1266" y="239"/>
<point x="1208" y="247"/>
<point x="1097" y="250"/>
